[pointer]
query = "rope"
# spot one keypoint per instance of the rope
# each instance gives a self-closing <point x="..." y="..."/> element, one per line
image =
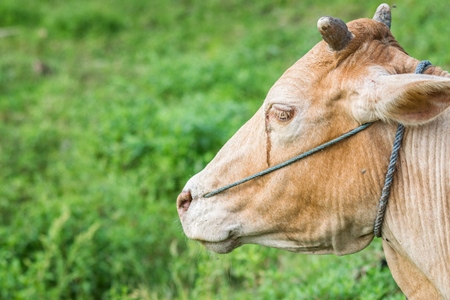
<point x="388" y="180"/>
<point x="290" y="161"/>
<point x="421" y="67"/>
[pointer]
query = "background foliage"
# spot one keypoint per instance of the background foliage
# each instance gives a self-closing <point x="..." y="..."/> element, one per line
<point x="108" y="107"/>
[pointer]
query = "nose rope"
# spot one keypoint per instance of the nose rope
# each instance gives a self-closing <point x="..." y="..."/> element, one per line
<point x="290" y="161"/>
<point x="421" y="67"/>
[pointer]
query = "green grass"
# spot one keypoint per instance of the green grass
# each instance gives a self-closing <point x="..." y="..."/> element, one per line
<point x="108" y="107"/>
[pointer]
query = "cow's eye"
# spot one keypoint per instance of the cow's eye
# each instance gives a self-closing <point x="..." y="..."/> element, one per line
<point x="283" y="116"/>
<point x="281" y="113"/>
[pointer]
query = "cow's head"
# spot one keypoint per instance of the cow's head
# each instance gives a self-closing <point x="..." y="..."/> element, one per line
<point x="327" y="202"/>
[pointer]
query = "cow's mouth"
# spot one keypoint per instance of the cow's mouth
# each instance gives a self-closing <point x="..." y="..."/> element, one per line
<point x="225" y="244"/>
<point x="222" y="247"/>
<point x="219" y="242"/>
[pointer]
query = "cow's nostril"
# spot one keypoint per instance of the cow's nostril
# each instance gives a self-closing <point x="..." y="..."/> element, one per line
<point x="183" y="202"/>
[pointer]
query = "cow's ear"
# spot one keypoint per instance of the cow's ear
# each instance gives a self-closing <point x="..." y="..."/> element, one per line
<point x="410" y="99"/>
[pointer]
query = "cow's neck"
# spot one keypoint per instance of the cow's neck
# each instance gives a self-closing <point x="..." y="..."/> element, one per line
<point x="418" y="214"/>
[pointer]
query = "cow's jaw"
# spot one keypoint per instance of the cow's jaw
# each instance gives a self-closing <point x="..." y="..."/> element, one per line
<point x="222" y="231"/>
<point x="221" y="225"/>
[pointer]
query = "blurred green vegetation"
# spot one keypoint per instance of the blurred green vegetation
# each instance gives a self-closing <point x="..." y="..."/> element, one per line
<point x="108" y="107"/>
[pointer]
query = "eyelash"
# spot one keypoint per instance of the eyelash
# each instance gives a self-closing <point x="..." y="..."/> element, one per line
<point x="281" y="115"/>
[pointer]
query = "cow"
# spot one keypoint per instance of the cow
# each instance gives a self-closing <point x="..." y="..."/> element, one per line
<point x="327" y="202"/>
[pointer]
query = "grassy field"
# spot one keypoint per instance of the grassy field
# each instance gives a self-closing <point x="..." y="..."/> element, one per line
<point x="108" y="107"/>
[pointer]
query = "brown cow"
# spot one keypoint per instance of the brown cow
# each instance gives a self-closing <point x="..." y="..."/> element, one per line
<point x="327" y="202"/>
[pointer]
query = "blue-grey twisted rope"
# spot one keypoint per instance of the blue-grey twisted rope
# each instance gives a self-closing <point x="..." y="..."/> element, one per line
<point x="290" y="161"/>
<point x="421" y="67"/>
<point x="388" y="180"/>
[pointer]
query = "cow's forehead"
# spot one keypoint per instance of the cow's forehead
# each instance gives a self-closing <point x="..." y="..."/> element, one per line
<point x="365" y="30"/>
<point x="318" y="69"/>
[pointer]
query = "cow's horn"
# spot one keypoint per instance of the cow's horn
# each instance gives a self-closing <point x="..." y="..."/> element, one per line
<point x="334" y="32"/>
<point x="383" y="14"/>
